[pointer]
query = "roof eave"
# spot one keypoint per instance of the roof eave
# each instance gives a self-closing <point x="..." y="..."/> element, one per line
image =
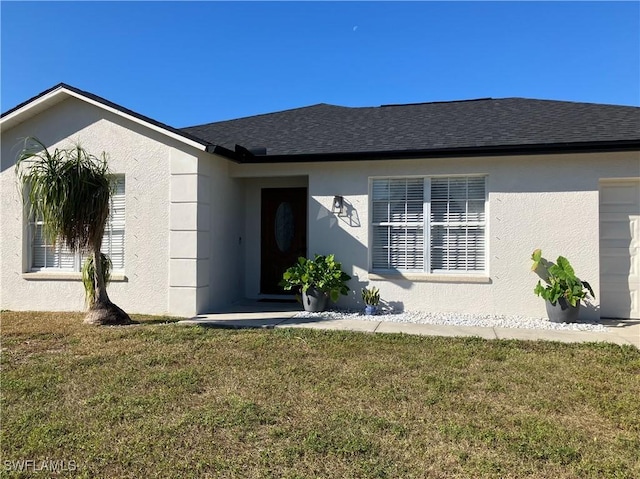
<point x="243" y="156"/>
<point x="62" y="91"/>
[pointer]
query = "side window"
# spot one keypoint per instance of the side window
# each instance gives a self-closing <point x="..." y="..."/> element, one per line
<point x="45" y="256"/>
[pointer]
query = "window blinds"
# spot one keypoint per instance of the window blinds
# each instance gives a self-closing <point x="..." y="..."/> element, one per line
<point x="47" y="256"/>
<point x="398" y="224"/>
<point x="456" y="225"/>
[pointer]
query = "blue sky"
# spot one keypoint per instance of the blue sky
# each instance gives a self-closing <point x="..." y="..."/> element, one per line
<point x="187" y="63"/>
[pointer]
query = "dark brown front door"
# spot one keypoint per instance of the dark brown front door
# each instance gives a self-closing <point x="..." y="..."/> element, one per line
<point x="284" y="234"/>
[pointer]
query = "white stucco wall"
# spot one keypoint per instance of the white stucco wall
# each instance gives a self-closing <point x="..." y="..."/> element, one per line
<point x="146" y="159"/>
<point x="548" y="202"/>
<point x="221" y="236"/>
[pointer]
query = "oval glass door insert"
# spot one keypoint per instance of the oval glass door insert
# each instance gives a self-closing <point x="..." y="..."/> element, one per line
<point x="284" y="226"/>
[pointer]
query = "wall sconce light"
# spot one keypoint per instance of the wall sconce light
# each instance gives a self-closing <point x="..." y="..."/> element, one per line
<point x="338" y="204"/>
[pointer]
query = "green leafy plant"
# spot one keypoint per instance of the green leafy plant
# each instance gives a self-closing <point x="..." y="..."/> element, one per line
<point x="371" y="296"/>
<point x="560" y="280"/>
<point x="323" y="273"/>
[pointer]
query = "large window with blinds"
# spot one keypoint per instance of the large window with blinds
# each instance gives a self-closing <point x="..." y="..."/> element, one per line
<point x="45" y="256"/>
<point x="430" y="225"/>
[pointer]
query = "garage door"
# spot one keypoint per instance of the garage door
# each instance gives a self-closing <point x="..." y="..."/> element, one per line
<point x="620" y="249"/>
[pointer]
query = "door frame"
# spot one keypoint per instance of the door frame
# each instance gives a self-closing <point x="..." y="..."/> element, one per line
<point x="305" y="220"/>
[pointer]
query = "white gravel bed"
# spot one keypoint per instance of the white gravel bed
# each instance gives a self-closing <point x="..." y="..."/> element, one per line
<point x="455" y="319"/>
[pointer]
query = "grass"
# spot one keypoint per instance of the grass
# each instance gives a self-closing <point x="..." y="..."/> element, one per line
<point x="162" y="400"/>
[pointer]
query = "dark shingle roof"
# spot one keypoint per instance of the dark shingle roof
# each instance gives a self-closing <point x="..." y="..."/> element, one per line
<point x="472" y="124"/>
<point x="456" y="128"/>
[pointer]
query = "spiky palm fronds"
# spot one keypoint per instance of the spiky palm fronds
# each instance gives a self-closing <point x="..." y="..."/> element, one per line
<point x="89" y="277"/>
<point x="69" y="189"/>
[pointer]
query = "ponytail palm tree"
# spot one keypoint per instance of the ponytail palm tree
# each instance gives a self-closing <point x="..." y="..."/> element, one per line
<point x="71" y="190"/>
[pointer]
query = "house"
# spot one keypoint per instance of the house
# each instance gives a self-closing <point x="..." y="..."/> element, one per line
<point x="438" y="204"/>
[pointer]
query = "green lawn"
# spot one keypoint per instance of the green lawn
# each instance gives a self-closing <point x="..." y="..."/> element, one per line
<point x="162" y="400"/>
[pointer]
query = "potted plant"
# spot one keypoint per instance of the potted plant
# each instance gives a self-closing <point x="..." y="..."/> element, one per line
<point x="371" y="298"/>
<point x="562" y="290"/>
<point x="318" y="279"/>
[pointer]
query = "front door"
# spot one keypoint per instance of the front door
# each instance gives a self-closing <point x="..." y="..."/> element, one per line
<point x="284" y="234"/>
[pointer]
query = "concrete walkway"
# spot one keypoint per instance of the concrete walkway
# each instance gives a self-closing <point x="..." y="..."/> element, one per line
<point x="281" y="315"/>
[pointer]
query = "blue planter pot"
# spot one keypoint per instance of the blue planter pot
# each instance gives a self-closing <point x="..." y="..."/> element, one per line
<point x="370" y="310"/>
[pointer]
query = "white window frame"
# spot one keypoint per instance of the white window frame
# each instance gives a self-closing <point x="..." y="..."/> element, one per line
<point x="427" y="226"/>
<point x="78" y="257"/>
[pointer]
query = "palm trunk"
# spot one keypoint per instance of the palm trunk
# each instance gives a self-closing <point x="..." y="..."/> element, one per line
<point x="101" y="296"/>
<point x="103" y="311"/>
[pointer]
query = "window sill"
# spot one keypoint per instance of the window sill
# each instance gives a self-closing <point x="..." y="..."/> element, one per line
<point x="431" y="278"/>
<point x="66" y="276"/>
